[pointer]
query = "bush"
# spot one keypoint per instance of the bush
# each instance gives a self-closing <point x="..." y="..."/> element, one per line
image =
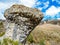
<point x="42" y="42"/>
<point x="1" y="24"/>
<point x="30" y="38"/>
<point x="2" y="30"/>
<point x="2" y="33"/>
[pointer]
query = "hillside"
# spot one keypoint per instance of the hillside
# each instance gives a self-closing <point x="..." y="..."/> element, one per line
<point x="55" y="22"/>
<point x="47" y="32"/>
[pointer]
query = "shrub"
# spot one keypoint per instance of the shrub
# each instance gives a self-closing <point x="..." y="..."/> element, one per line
<point x="1" y="24"/>
<point x="42" y="42"/>
<point x="2" y="33"/>
<point x="30" y="38"/>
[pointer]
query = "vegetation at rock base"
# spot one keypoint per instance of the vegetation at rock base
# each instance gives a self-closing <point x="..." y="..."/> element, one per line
<point x="30" y="38"/>
<point x="42" y="42"/>
<point x="2" y="30"/>
<point x="2" y="33"/>
<point x="8" y="41"/>
<point x="1" y="25"/>
<point x="42" y="35"/>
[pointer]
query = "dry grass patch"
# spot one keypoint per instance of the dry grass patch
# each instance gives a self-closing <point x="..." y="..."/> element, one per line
<point x="48" y="32"/>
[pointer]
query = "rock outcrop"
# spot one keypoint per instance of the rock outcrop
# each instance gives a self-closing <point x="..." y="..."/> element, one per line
<point x="21" y="20"/>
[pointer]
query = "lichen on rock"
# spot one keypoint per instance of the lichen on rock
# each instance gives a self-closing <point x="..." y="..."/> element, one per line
<point x="25" y="20"/>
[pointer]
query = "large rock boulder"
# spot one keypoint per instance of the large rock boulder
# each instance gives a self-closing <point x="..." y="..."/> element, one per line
<point x="24" y="20"/>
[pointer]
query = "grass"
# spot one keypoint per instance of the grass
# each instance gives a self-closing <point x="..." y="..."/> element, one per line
<point x="42" y="42"/>
<point x="2" y="33"/>
<point x="45" y="33"/>
<point x="30" y="38"/>
<point x="2" y="30"/>
<point x="8" y="41"/>
<point x="1" y="25"/>
<point x="41" y="33"/>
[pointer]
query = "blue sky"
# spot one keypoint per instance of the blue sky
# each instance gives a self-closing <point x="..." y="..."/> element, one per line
<point x="50" y="8"/>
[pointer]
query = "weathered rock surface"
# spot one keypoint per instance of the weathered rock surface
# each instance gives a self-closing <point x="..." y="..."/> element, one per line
<point x="23" y="19"/>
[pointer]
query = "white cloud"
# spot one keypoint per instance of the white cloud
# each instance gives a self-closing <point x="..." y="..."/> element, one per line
<point x="58" y="18"/>
<point x="4" y="6"/>
<point x="52" y="10"/>
<point x="38" y="3"/>
<point x="58" y="1"/>
<point x="1" y="16"/>
<point x="29" y="3"/>
<point x="46" y="4"/>
<point x="53" y="0"/>
<point x="40" y="8"/>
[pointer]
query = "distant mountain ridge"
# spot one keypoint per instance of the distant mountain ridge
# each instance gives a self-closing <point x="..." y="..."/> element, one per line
<point x="56" y="22"/>
<point x="2" y="20"/>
